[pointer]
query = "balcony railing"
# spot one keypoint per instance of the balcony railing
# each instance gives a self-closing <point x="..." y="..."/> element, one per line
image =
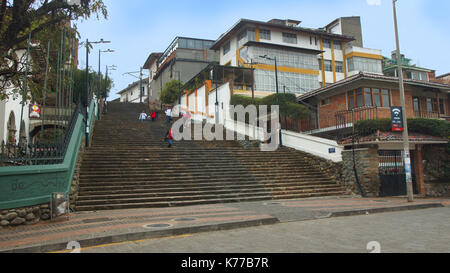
<point x="424" y="114"/>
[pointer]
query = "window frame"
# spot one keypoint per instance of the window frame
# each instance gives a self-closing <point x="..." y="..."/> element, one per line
<point x="287" y="36"/>
<point x="354" y="95"/>
<point x="263" y="32"/>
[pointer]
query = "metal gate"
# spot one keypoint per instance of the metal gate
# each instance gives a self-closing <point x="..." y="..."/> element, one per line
<point x="392" y="173"/>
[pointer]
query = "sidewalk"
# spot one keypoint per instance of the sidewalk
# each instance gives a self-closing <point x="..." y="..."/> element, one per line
<point x="108" y="227"/>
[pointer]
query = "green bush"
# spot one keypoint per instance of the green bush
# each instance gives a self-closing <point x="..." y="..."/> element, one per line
<point x="433" y="127"/>
<point x="289" y="106"/>
<point x="171" y="92"/>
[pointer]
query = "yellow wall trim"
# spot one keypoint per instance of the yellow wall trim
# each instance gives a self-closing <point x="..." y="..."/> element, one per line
<point x="364" y="55"/>
<point x="323" y="63"/>
<point x="333" y="60"/>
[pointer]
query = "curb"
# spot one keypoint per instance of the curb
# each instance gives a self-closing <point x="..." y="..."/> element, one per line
<point x="120" y="238"/>
<point x="381" y="210"/>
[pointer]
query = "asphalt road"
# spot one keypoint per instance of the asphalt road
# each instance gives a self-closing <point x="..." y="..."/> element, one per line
<point x="418" y="231"/>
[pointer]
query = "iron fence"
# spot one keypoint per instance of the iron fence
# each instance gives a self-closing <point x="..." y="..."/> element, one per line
<point x="28" y="154"/>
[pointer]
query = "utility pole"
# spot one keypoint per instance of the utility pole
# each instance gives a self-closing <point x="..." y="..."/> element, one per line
<point x="406" y="153"/>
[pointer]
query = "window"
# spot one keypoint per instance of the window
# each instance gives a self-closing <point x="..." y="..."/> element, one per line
<point x="264" y="34"/>
<point x="326" y="101"/>
<point x="226" y="48"/>
<point x="251" y="34"/>
<point x="328" y="66"/>
<point x="339" y="67"/>
<point x="191" y="44"/>
<point x="441" y="107"/>
<point x="242" y="35"/>
<point x="351" y="100"/>
<point x="416" y="102"/>
<point x="432" y="105"/>
<point x="368" y="97"/>
<point x="326" y="43"/>
<point x="289" y="38"/>
<point x="337" y="45"/>
<point x="364" y="65"/>
<point x="359" y="98"/>
<point x="386" y="98"/>
<point x="376" y="97"/>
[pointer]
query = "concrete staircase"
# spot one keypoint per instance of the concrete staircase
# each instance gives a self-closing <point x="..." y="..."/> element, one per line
<point x="129" y="166"/>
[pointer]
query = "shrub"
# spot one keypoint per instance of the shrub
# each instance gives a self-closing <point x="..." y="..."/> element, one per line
<point x="288" y="104"/>
<point x="170" y="92"/>
<point x="433" y="127"/>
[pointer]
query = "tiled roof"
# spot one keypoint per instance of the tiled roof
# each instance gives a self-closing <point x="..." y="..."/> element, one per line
<point x="397" y="137"/>
<point x="371" y="76"/>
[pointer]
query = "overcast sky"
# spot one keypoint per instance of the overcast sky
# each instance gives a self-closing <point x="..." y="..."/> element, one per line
<point x="140" y="27"/>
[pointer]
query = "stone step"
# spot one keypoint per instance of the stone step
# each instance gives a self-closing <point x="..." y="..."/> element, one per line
<point x="201" y="201"/>
<point x="87" y="195"/>
<point x="157" y="185"/>
<point x="138" y="198"/>
<point x="174" y="175"/>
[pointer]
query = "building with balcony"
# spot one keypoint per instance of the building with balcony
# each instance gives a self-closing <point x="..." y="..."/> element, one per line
<point x="337" y="108"/>
<point x="182" y="60"/>
<point x="307" y="58"/>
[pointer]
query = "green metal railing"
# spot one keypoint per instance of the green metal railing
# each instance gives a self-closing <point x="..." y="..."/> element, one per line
<point x="33" y="185"/>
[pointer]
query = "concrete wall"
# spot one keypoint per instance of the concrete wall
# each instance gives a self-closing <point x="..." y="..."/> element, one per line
<point x="12" y="105"/>
<point x="313" y="145"/>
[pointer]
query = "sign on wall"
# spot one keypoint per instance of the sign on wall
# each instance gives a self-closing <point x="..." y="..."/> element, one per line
<point x="35" y="111"/>
<point x="397" y="119"/>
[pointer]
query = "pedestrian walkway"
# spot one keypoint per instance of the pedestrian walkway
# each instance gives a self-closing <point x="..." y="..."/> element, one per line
<point x="108" y="227"/>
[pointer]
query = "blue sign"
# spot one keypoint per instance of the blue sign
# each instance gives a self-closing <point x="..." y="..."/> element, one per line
<point x="332" y="150"/>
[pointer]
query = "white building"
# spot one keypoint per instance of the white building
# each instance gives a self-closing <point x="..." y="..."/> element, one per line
<point x="131" y="94"/>
<point x="12" y="128"/>
<point x="307" y="58"/>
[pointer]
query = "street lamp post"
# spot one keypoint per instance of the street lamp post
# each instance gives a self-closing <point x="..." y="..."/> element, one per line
<point x="87" y="86"/>
<point x="406" y="153"/>
<point x="278" y="99"/>
<point x="100" y="81"/>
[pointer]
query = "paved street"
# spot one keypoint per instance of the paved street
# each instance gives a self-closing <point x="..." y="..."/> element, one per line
<point x="405" y="232"/>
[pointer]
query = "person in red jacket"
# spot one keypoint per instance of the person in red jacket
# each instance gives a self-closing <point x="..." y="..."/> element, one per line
<point x="153" y="115"/>
<point x="169" y="138"/>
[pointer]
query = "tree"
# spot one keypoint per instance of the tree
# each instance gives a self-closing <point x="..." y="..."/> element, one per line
<point x="79" y="88"/>
<point x="44" y="19"/>
<point x="171" y="92"/>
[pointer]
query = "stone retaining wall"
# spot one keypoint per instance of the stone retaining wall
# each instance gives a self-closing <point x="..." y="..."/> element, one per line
<point x="367" y="169"/>
<point x="437" y="189"/>
<point x="24" y="216"/>
<point x="331" y="169"/>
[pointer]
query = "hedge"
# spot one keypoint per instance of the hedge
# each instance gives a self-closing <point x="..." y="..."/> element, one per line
<point x="433" y="127"/>
<point x="289" y="106"/>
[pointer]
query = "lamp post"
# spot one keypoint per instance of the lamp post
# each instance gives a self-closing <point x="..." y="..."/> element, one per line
<point x="100" y="80"/>
<point x="87" y="86"/>
<point x="406" y="153"/>
<point x="278" y="99"/>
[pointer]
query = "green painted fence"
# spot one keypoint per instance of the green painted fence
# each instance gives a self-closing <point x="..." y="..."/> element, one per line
<point x="33" y="185"/>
